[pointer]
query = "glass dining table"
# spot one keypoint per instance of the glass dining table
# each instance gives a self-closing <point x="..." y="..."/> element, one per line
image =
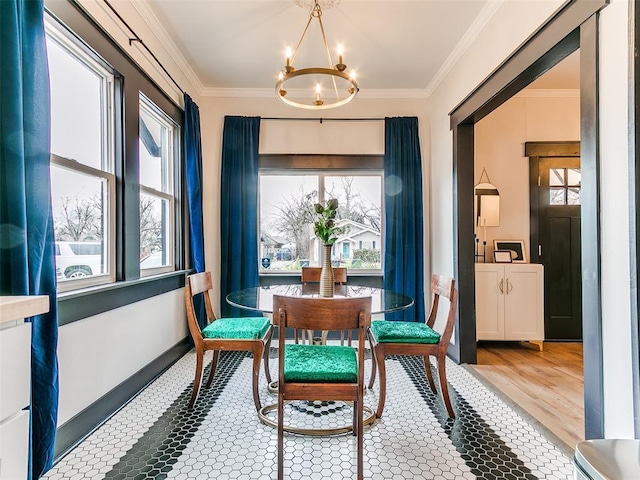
<point x="261" y="299"/>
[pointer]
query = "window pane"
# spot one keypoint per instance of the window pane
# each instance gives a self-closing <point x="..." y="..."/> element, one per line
<point x="360" y="203"/>
<point x="155" y="244"/>
<point x="556" y="176"/>
<point x="155" y="150"/>
<point x="286" y="202"/>
<point x="573" y="196"/>
<point x="556" y="196"/>
<point x="573" y="177"/>
<point x="76" y="108"/>
<point x="80" y="206"/>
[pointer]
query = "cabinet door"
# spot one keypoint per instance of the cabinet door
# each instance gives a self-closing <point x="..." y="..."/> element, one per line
<point x="489" y="302"/>
<point x="523" y="304"/>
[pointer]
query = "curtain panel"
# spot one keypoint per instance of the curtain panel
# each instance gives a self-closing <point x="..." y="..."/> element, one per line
<point x="239" y="209"/>
<point x="403" y="257"/>
<point x="27" y="261"/>
<point x="193" y="166"/>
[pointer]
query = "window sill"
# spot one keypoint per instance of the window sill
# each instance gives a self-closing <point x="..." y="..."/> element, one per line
<point x="80" y="304"/>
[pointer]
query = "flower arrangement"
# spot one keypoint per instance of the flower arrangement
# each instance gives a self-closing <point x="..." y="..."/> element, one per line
<point x="325" y="224"/>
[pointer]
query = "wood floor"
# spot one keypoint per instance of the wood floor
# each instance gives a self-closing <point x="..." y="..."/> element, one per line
<point x="548" y="385"/>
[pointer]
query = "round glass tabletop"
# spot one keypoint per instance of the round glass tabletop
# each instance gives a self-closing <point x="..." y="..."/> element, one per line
<point x="261" y="298"/>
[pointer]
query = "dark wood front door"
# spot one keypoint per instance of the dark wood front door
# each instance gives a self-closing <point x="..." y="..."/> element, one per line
<point x="559" y="245"/>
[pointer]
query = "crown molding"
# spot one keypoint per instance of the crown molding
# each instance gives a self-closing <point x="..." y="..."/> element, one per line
<point x="549" y="93"/>
<point x="481" y="21"/>
<point x="270" y="92"/>
<point x="171" y="49"/>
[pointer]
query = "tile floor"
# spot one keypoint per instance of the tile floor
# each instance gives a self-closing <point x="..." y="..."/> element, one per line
<point x="155" y="437"/>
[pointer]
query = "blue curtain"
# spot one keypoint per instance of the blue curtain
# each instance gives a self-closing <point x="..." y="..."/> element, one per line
<point x="403" y="257"/>
<point x="193" y="164"/>
<point x="27" y="261"/>
<point x="239" y="208"/>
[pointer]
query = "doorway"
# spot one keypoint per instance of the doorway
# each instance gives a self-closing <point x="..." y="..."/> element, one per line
<point x="573" y="27"/>
<point x="555" y="179"/>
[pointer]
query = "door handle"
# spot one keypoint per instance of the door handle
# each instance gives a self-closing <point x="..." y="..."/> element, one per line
<point x="509" y="286"/>
<point x="501" y="286"/>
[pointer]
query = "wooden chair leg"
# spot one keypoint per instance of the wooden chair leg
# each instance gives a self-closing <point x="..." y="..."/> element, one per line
<point x="267" y="350"/>
<point x="444" y="389"/>
<point x="280" y="437"/>
<point x="258" y="350"/>
<point x="359" y="438"/>
<point x="214" y="366"/>
<point x="350" y="336"/>
<point x="427" y="369"/>
<point x="382" y="374"/>
<point x="198" y="378"/>
<point x="372" y="345"/>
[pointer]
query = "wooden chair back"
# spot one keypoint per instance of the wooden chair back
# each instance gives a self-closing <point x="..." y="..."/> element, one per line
<point x="196" y="284"/>
<point x="322" y="313"/>
<point x="312" y="274"/>
<point x="442" y="286"/>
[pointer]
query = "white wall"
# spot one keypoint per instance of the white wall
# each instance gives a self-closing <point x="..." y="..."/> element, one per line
<point x="615" y="50"/>
<point x="98" y="353"/>
<point x="296" y="137"/>
<point x="499" y="140"/>
<point x="512" y="23"/>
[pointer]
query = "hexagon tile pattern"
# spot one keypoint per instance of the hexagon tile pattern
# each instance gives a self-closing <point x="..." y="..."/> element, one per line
<point x="155" y="437"/>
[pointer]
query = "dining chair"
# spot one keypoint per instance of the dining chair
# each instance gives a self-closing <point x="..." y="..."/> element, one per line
<point x="312" y="275"/>
<point x="416" y="338"/>
<point x="321" y="372"/>
<point x="251" y="334"/>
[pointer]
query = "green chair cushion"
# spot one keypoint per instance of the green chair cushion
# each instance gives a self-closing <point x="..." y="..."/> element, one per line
<point x="244" y="328"/>
<point x="320" y="364"/>
<point x="403" y="332"/>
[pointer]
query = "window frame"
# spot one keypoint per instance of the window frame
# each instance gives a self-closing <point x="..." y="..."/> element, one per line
<point x="173" y="138"/>
<point x="324" y="166"/>
<point x="55" y="32"/>
<point x="74" y="23"/>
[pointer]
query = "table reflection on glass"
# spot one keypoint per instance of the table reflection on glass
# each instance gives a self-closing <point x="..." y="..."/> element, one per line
<point x="261" y="298"/>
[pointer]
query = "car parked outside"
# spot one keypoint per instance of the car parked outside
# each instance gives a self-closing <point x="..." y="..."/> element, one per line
<point x="78" y="259"/>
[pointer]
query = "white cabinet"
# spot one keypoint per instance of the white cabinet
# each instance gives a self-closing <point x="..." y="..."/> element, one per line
<point x="509" y="301"/>
<point x="15" y="381"/>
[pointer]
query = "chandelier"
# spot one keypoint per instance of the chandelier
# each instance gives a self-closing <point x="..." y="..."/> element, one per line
<point x="342" y="86"/>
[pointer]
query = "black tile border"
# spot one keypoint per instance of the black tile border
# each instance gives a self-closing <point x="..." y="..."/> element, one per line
<point x="159" y="448"/>
<point x="481" y="448"/>
<point x="84" y="423"/>
<point x="565" y="448"/>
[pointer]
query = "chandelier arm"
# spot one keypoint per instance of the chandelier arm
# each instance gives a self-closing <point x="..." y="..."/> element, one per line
<point x="293" y="57"/>
<point x="326" y="47"/>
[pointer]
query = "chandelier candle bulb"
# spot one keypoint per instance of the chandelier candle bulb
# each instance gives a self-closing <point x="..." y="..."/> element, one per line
<point x="288" y="56"/>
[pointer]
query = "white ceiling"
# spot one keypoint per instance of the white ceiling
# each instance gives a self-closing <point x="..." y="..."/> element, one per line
<point x="394" y="45"/>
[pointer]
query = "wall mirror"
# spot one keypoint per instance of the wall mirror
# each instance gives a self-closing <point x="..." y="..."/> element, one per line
<point x="487" y="204"/>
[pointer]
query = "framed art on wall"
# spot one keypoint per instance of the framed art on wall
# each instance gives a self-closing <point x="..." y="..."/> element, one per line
<point x="517" y="248"/>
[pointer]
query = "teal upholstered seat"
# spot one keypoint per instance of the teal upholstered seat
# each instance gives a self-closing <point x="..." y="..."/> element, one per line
<point x="403" y="332"/>
<point x="320" y="364"/>
<point x="249" y="328"/>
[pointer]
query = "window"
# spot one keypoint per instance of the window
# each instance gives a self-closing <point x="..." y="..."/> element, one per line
<point x="287" y="240"/>
<point x="82" y="164"/>
<point x="564" y="186"/>
<point x="157" y="140"/>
